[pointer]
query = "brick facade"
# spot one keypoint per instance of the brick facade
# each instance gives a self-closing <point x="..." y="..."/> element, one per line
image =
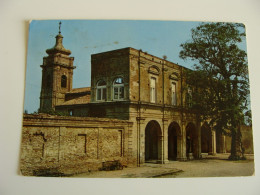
<point x="69" y="145"/>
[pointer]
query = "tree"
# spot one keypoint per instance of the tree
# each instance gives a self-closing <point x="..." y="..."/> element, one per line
<point x="220" y="78"/>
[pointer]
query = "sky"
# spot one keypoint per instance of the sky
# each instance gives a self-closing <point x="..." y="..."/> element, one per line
<point x="86" y="37"/>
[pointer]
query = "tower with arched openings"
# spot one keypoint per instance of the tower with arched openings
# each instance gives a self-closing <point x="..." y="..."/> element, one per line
<point x="57" y="75"/>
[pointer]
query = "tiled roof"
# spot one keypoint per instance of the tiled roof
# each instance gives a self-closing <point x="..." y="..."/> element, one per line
<point x="79" y="90"/>
<point x="78" y="100"/>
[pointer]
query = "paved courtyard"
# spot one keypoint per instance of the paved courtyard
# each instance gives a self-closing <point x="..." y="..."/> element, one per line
<point x="209" y="166"/>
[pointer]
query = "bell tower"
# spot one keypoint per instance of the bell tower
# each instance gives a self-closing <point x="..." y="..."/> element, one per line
<point x="57" y="75"/>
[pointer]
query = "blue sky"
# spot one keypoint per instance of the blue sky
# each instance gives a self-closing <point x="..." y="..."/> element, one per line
<point x="86" y="37"/>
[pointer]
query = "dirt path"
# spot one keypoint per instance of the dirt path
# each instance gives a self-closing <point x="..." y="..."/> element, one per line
<point x="213" y="168"/>
<point x="216" y="166"/>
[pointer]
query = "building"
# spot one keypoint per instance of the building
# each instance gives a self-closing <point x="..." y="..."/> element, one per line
<point x="141" y="100"/>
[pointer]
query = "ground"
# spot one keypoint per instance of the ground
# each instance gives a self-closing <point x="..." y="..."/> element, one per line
<point x="209" y="166"/>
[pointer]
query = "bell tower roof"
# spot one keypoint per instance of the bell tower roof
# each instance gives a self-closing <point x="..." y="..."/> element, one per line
<point x="58" y="48"/>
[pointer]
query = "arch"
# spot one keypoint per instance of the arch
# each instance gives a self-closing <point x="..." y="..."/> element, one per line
<point x="174" y="76"/>
<point x="206" y="139"/>
<point x="101" y="94"/>
<point x="101" y="83"/>
<point x="174" y="141"/>
<point x="154" y="70"/>
<point x="192" y="141"/>
<point x="63" y="81"/>
<point x="153" y="141"/>
<point x="118" y="89"/>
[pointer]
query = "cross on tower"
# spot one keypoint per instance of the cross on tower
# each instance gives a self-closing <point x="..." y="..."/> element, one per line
<point x="59" y="27"/>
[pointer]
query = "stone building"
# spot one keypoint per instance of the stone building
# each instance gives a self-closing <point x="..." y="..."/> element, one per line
<point x="147" y="93"/>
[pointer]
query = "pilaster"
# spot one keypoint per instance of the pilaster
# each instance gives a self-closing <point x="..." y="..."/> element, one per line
<point x="165" y="140"/>
<point x="183" y="154"/>
<point x="141" y="140"/>
<point x="198" y="152"/>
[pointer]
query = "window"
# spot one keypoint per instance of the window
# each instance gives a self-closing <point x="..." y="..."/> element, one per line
<point x="118" y="87"/>
<point x="101" y="91"/>
<point x="189" y="98"/>
<point x="174" y="95"/>
<point x="71" y="113"/>
<point x="153" y="90"/>
<point x="63" y="81"/>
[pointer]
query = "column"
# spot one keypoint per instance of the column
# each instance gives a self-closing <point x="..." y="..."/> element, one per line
<point x="160" y="150"/>
<point x="183" y="156"/>
<point x="223" y="137"/>
<point x="198" y="151"/>
<point x="141" y="140"/>
<point x="165" y="141"/>
<point x="213" y="143"/>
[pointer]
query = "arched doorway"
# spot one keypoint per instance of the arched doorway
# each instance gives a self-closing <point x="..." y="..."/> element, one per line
<point x="191" y="141"/>
<point x="206" y="139"/>
<point x="153" y="141"/>
<point x="174" y="141"/>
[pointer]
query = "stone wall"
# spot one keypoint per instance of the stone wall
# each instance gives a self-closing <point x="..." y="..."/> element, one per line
<point x="55" y="145"/>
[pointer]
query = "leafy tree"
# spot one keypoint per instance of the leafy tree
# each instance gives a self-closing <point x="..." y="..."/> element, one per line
<point x="220" y="78"/>
<point x="248" y="118"/>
